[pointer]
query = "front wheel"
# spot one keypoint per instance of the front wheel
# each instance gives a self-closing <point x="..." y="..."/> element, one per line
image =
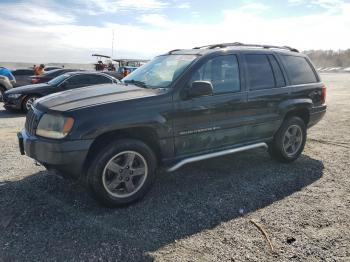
<point x="289" y="140"/>
<point x="122" y="172"/>
<point x="28" y="102"/>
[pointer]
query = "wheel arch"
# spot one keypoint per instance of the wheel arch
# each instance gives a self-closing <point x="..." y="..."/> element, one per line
<point x="145" y="134"/>
<point x="296" y="107"/>
<point x="25" y="97"/>
<point x="302" y="112"/>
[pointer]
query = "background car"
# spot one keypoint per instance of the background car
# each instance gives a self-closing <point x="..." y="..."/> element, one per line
<point x="46" y="77"/>
<point x="21" y="98"/>
<point x="5" y="84"/>
<point x="22" y="76"/>
<point x="119" y="73"/>
<point x="50" y="68"/>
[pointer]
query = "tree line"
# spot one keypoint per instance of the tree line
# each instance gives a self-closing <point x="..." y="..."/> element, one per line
<point x="329" y="58"/>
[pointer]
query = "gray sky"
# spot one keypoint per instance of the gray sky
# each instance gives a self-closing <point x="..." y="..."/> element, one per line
<point x="70" y="31"/>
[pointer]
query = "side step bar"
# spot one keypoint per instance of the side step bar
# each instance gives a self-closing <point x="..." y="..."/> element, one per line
<point x="216" y="154"/>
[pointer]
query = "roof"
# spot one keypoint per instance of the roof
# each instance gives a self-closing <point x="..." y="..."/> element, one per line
<point x="89" y="73"/>
<point x="130" y="60"/>
<point x="232" y="46"/>
<point x="98" y="55"/>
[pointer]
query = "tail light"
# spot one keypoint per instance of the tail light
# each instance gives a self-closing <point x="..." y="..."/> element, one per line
<point x="323" y="94"/>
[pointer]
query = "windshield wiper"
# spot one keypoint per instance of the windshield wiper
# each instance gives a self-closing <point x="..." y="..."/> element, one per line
<point x="136" y="83"/>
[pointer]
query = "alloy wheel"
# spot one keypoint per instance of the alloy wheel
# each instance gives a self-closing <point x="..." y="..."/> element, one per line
<point x="30" y="102"/>
<point x="124" y="174"/>
<point x="292" y="140"/>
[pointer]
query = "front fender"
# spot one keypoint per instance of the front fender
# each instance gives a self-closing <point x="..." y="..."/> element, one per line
<point x="95" y="121"/>
<point x="156" y="122"/>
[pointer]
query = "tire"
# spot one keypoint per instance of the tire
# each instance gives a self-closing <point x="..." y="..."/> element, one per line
<point x="110" y="175"/>
<point x="2" y="91"/>
<point x="27" y="102"/>
<point x="281" y="148"/>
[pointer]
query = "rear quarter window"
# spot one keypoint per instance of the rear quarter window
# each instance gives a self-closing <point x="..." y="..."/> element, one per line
<point x="98" y="79"/>
<point x="299" y="70"/>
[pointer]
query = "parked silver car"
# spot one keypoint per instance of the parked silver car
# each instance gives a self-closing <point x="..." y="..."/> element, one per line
<point x="5" y="84"/>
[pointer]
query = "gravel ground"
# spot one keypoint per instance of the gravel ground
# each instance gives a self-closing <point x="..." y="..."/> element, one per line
<point x="203" y="212"/>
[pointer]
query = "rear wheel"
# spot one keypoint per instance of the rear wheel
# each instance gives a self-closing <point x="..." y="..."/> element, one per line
<point x="289" y="140"/>
<point x="122" y="172"/>
<point x="28" y="102"/>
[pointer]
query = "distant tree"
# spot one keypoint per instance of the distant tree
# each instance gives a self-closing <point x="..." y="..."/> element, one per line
<point x="329" y="58"/>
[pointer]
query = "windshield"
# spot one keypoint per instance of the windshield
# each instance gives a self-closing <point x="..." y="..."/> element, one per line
<point x="58" y="79"/>
<point x="160" y="72"/>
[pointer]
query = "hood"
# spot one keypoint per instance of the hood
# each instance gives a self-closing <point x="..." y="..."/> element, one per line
<point x="29" y="88"/>
<point x="92" y="95"/>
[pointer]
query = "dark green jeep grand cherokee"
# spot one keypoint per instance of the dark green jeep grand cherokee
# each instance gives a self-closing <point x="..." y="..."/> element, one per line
<point x="181" y="107"/>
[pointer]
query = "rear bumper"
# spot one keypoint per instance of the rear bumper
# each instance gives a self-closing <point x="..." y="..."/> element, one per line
<point x="65" y="156"/>
<point x="316" y="114"/>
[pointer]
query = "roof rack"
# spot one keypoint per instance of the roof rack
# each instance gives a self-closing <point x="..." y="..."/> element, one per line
<point x="172" y="51"/>
<point x="249" y="45"/>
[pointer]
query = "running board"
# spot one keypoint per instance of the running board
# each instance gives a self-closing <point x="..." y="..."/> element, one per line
<point x="216" y="154"/>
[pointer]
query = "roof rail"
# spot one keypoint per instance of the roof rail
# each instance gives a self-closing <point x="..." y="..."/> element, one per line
<point x="170" y="52"/>
<point x="249" y="45"/>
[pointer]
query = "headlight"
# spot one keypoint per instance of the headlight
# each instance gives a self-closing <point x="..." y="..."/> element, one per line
<point x="54" y="126"/>
<point x="14" y="96"/>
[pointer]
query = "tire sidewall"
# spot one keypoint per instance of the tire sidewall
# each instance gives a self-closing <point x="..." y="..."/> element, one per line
<point x="280" y="136"/>
<point x="24" y="106"/>
<point x="95" y="171"/>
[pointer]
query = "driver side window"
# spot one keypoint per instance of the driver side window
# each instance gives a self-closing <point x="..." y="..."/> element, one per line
<point x="222" y="72"/>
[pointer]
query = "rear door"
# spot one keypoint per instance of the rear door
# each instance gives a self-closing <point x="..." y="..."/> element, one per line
<point x="212" y="122"/>
<point x="267" y="88"/>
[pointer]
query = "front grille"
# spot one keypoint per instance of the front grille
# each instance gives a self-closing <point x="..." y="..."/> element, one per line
<point x="31" y="122"/>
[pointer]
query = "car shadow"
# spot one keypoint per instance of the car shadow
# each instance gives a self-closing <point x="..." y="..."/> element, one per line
<point x="49" y="217"/>
<point x="10" y="113"/>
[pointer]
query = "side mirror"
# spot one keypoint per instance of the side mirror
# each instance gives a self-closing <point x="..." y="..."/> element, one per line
<point x="200" y="88"/>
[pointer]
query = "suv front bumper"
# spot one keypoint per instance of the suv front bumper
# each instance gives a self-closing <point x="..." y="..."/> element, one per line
<point x="65" y="156"/>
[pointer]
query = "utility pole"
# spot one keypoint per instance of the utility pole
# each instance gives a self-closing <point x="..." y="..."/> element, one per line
<point x="112" y="43"/>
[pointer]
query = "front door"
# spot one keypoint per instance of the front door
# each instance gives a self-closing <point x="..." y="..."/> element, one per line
<point x="209" y="123"/>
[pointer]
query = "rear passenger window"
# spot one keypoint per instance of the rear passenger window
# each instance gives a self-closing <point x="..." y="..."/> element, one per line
<point x="280" y="81"/>
<point x="299" y="70"/>
<point x="98" y="79"/>
<point x="222" y="72"/>
<point x="259" y="72"/>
